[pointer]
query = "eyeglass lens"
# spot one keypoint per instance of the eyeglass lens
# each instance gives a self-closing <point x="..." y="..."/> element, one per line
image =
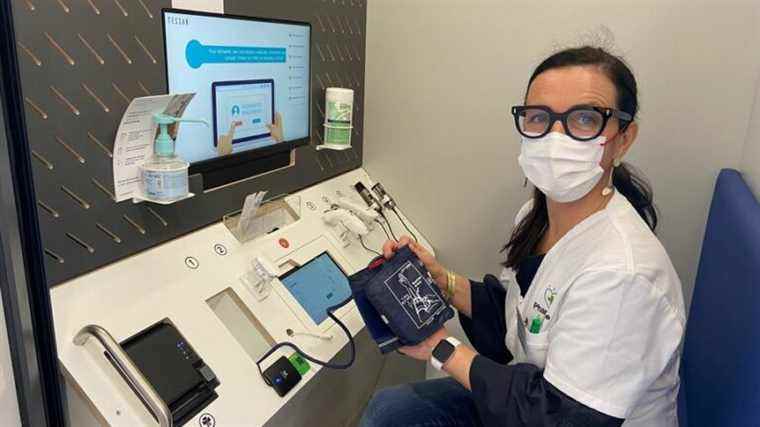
<point x="581" y="124"/>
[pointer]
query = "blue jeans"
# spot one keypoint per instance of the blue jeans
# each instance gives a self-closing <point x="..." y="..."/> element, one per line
<point x="432" y="403"/>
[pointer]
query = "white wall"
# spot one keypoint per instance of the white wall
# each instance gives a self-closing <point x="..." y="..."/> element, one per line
<point x="202" y="5"/>
<point x="750" y="166"/>
<point x="441" y="75"/>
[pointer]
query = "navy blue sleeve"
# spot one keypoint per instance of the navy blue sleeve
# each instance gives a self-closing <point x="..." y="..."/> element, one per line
<point x="486" y="329"/>
<point x="518" y="395"/>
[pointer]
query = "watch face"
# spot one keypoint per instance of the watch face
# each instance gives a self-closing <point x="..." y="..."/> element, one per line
<point x="443" y="351"/>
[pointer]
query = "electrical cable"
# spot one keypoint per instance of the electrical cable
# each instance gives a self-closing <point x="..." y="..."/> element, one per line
<point x="390" y="227"/>
<point x="345" y="365"/>
<point x="383" y="227"/>
<point x="405" y="225"/>
<point x="361" y="240"/>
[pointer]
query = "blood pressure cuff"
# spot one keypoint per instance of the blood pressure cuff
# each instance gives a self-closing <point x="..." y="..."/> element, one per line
<point x="399" y="301"/>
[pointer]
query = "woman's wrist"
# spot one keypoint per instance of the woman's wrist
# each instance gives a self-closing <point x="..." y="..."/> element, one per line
<point x="459" y="294"/>
<point x="451" y="285"/>
<point x="440" y="278"/>
<point x="459" y="364"/>
<point x="455" y="288"/>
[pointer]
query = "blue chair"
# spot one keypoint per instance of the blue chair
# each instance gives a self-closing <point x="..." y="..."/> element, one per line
<point x="721" y="356"/>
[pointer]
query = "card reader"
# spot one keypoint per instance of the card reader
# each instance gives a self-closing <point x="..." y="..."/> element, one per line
<point x="282" y="376"/>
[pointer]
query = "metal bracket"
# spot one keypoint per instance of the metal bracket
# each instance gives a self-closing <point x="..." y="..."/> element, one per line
<point x="129" y="371"/>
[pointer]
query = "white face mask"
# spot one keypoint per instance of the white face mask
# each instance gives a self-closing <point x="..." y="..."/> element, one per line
<point x="562" y="168"/>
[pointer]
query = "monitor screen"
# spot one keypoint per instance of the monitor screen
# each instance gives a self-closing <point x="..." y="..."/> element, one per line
<point x="249" y="104"/>
<point x="250" y="77"/>
<point x="317" y="285"/>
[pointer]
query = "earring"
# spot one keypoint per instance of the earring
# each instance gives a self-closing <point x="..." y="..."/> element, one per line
<point x="610" y="187"/>
<point x="525" y="183"/>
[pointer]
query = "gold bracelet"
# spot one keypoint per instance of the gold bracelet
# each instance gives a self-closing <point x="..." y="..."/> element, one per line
<point x="451" y="285"/>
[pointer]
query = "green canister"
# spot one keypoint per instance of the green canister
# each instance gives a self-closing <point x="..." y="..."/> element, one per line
<point x="339" y="107"/>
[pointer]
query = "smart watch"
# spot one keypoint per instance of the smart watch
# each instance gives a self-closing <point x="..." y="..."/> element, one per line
<point x="443" y="351"/>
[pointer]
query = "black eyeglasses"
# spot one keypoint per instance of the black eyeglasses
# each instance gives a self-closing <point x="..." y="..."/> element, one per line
<point x="582" y="123"/>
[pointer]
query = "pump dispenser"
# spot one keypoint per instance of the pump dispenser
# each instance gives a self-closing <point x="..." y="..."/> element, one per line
<point x="164" y="177"/>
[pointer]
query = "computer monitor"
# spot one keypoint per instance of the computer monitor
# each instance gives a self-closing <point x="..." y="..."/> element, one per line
<point x="251" y="77"/>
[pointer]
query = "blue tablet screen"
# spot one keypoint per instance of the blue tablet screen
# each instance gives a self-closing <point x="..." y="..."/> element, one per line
<point x="317" y="285"/>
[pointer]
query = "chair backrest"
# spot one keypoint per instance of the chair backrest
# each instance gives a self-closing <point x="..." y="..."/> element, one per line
<point x="721" y="359"/>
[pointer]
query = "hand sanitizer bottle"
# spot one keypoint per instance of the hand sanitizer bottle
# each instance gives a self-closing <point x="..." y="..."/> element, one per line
<point x="164" y="177"/>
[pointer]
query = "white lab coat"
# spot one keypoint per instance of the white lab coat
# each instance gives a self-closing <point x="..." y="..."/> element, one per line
<point x="614" y="318"/>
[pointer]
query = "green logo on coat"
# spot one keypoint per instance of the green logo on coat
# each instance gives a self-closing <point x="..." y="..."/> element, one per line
<point x="549" y="295"/>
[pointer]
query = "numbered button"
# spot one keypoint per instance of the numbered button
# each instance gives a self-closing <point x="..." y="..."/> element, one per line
<point x="220" y="249"/>
<point x="192" y="263"/>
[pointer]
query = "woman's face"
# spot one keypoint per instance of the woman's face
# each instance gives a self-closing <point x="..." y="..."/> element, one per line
<point x="563" y="88"/>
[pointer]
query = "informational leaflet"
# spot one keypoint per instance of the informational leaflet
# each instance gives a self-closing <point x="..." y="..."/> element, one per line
<point x="135" y="138"/>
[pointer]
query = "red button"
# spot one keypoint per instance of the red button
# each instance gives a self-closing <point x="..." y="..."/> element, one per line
<point x="284" y="243"/>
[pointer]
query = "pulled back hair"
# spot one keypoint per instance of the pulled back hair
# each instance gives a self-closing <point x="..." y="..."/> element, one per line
<point x="626" y="179"/>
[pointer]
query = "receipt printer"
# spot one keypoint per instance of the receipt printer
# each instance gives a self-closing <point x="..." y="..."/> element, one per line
<point x="179" y="375"/>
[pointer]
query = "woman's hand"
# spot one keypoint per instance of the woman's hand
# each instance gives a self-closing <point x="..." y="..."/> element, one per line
<point x="224" y="145"/>
<point x="436" y="270"/>
<point x="276" y="128"/>
<point x="424" y="350"/>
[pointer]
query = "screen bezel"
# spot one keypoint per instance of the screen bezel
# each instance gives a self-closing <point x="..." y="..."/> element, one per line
<point x="216" y="85"/>
<point x="298" y="268"/>
<point x="263" y="156"/>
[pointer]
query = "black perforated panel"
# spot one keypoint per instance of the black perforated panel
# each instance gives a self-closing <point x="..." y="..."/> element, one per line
<point x="82" y="61"/>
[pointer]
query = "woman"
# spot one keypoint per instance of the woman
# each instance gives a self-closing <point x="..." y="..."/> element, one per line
<point x="584" y="326"/>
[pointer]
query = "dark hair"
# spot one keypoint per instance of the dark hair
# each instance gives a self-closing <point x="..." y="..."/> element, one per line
<point x="626" y="179"/>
